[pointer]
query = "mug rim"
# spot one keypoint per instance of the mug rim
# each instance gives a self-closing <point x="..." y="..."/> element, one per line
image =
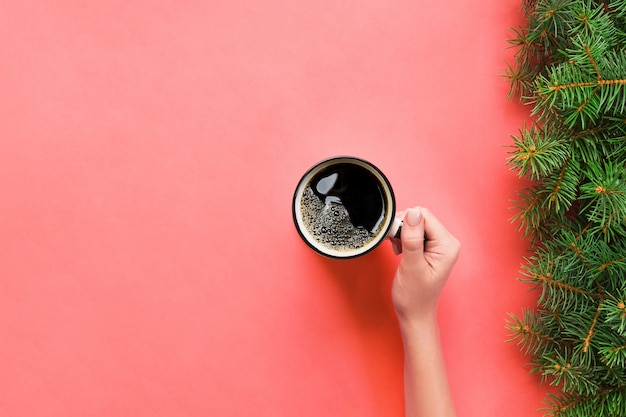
<point x="357" y="161"/>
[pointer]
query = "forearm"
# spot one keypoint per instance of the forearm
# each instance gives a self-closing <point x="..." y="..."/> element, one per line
<point x="426" y="388"/>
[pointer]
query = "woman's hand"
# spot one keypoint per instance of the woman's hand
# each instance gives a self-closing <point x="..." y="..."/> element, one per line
<point x="429" y="252"/>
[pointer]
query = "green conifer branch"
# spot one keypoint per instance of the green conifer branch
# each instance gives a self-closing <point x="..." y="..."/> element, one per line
<point x="615" y="311"/>
<point x="606" y="403"/>
<point x="592" y="328"/>
<point x="570" y="66"/>
<point x="530" y="332"/>
<point x="535" y="155"/>
<point x="614" y="355"/>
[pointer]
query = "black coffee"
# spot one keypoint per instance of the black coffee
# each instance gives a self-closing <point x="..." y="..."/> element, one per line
<point x="343" y="206"/>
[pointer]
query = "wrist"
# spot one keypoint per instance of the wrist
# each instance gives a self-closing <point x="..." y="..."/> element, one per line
<point x="419" y="324"/>
<point x="418" y="315"/>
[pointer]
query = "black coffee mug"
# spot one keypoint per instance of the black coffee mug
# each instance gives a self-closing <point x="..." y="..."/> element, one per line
<point x="344" y="207"/>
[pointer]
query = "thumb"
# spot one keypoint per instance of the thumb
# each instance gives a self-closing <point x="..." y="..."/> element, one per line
<point x="412" y="234"/>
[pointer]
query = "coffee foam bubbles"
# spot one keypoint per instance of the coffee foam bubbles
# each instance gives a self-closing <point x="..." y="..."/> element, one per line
<point x="329" y="224"/>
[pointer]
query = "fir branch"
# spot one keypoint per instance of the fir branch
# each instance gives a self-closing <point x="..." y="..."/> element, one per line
<point x="530" y="213"/>
<point x="618" y="8"/>
<point x="605" y="193"/>
<point x="572" y="378"/>
<point x="571" y="68"/>
<point x="562" y="280"/>
<point x="591" y="145"/>
<point x="593" y="63"/>
<point x="590" y="20"/>
<point x="584" y="89"/>
<point x="521" y="80"/>
<point x="606" y="403"/>
<point x="531" y="332"/>
<point x="536" y="154"/>
<point x="587" y="340"/>
<point x="615" y="310"/>
<point x="562" y="188"/>
<point x="611" y="263"/>
<point x="547" y="279"/>
<point x="615" y="356"/>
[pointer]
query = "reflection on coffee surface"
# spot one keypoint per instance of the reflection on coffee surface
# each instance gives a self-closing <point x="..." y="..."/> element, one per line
<point x="343" y="207"/>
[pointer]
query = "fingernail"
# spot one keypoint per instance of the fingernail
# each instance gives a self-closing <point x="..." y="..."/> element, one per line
<point x="413" y="217"/>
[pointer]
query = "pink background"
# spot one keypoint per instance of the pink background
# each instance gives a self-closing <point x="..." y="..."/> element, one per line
<point x="148" y="154"/>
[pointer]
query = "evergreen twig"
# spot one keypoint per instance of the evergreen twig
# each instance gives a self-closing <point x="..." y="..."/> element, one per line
<point x="570" y="66"/>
